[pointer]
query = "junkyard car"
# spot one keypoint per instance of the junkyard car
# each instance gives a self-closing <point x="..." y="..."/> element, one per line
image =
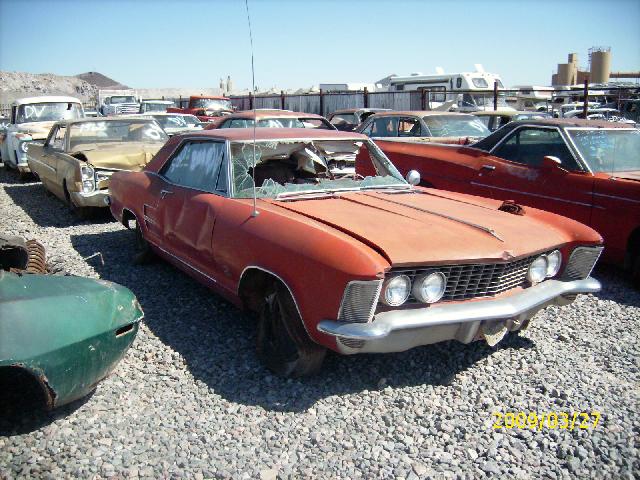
<point x="206" y="109"/>
<point x="347" y="120"/>
<point x="593" y="175"/>
<point x="152" y="106"/>
<point x="424" y="126"/>
<point x="350" y="263"/>
<point x="61" y="333"/>
<point x="77" y="159"/>
<point x="175" y="123"/>
<point x="31" y="120"/>
<point x="494" y="119"/>
<point x="272" y="119"/>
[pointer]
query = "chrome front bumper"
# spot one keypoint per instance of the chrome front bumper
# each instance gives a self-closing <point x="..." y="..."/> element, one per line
<point x="97" y="198"/>
<point x="399" y="330"/>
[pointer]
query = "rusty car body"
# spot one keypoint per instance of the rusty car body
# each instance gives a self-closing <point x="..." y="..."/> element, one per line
<point x="354" y="264"/>
<point x="424" y="127"/>
<point x="348" y="119"/>
<point x="267" y="118"/>
<point x="593" y="177"/>
<point x="494" y="119"/>
<point x="61" y="334"/>
<point x="78" y="157"/>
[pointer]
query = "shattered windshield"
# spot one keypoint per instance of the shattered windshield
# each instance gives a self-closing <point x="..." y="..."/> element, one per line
<point x="455" y="126"/>
<point x="115" y="131"/>
<point x="610" y="151"/>
<point x="212" y="104"/>
<point x="286" y="168"/>
<point x="46" y="112"/>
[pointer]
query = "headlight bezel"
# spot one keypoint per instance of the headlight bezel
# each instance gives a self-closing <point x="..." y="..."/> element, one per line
<point x="388" y="283"/>
<point x="87" y="178"/>
<point x="420" y="280"/>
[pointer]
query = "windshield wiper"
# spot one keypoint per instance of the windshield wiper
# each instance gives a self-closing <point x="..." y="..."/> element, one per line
<point x="332" y="192"/>
<point x="401" y="187"/>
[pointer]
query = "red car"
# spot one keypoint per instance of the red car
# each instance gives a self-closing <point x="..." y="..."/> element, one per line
<point x="353" y="264"/>
<point x="205" y="108"/>
<point x="585" y="170"/>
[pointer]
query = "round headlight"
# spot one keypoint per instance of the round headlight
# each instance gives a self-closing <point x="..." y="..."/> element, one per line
<point x="537" y="270"/>
<point x="395" y="290"/>
<point x="554" y="260"/>
<point x="429" y="288"/>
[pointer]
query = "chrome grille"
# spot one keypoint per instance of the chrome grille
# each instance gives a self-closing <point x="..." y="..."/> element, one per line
<point x="581" y="263"/>
<point x="359" y="301"/>
<point x="476" y="279"/>
<point x="127" y="109"/>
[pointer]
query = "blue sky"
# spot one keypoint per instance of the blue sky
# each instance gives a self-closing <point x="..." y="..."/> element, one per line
<point x="192" y="43"/>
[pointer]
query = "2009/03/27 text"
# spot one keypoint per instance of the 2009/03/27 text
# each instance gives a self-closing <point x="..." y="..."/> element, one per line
<point x="552" y="420"/>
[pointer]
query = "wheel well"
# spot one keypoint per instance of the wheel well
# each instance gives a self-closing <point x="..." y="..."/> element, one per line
<point x="66" y="191"/>
<point x="20" y="388"/>
<point x="127" y="216"/>
<point x="254" y="286"/>
<point x="633" y="245"/>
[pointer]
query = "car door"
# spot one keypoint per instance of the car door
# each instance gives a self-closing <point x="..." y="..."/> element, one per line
<point x="52" y="150"/>
<point x="192" y="190"/>
<point x="515" y="171"/>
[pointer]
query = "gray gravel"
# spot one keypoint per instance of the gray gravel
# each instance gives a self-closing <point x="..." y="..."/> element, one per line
<point x="191" y="400"/>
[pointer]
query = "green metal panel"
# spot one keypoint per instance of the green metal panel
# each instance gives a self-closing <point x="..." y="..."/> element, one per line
<point x="70" y="332"/>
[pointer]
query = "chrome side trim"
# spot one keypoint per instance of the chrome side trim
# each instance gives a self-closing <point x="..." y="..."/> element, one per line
<point x="522" y="304"/>
<point x="185" y="263"/>
<point x="615" y="197"/>
<point x="533" y="194"/>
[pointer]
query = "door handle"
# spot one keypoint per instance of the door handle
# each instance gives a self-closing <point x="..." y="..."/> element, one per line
<point x="488" y="167"/>
<point x="164" y="193"/>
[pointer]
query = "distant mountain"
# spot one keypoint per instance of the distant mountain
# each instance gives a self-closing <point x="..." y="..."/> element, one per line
<point x="100" y="80"/>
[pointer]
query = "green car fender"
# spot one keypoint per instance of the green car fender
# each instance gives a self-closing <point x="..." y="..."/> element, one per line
<point x="68" y="332"/>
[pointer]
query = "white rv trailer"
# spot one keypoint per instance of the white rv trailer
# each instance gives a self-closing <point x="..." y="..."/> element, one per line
<point x="473" y="91"/>
<point x="533" y="97"/>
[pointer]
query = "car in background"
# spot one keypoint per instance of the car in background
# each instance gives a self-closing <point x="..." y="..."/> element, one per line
<point x="583" y="169"/>
<point x="348" y="119"/>
<point x="77" y="159"/>
<point x="355" y="264"/>
<point x="272" y="119"/>
<point x="424" y="126"/>
<point x="92" y="113"/>
<point x="601" y="113"/>
<point x="31" y="120"/>
<point x="206" y="108"/>
<point x="176" y="123"/>
<point x="494" y="119"/>
<point x="147" y="106"/>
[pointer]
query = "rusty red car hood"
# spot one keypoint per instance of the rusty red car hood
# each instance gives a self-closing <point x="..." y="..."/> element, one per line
<point x="420" y="227"/>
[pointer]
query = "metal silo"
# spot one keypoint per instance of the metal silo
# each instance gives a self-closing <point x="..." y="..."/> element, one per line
<point x="600" y="60"/>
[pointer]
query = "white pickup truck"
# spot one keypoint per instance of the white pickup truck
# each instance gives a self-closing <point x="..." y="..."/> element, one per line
<point x="31" y="119"/>
<point x="117" y="102"/>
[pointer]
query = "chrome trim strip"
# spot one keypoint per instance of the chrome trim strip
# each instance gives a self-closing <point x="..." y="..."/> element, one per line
<point x="632" y="200"/>
<point x="530" y="299"/>
<point x="184" y="263"/>
<point x="533" y="194"/>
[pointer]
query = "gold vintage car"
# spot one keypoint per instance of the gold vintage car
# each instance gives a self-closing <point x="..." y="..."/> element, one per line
<point x="77" y="159"/>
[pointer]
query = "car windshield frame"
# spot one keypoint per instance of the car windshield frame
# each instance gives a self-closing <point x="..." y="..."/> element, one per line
<point x="589" y="158"/>
<point x="155" y="134"/>
<point x="241" y="162"/>
<point x="35" y="114"/>
<point x="125" y="99"/>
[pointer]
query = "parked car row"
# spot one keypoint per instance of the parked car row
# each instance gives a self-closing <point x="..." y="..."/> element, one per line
<point x="339" y="240"/>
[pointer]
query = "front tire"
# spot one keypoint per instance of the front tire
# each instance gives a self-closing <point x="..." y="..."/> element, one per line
<point x="143" y="253"/>
<point x="283" y="344"/>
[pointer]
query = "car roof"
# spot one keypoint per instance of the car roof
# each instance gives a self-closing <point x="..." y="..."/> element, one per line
<point x="140" y="118"/>
<point x="417" y="113"/>
<point x="245" y="134"/>
<point x="260" y="114"/>
<point x="46" y="99"/>
<point x="363" y="109"/>
<point x="506" y="113"/>
<point x="571" y="122"/>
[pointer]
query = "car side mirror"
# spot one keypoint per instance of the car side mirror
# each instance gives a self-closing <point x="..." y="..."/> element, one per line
<point x="413" y="177"/>
<point x="551" y="163"/>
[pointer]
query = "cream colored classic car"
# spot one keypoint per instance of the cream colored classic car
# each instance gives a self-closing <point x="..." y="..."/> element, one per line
<point x="77" y="159"/>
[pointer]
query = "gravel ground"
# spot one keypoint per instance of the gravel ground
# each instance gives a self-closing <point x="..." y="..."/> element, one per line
<point x="191" y="400"/>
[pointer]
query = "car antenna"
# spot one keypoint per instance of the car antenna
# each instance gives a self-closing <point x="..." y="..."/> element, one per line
<point x="255" y="212"/>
